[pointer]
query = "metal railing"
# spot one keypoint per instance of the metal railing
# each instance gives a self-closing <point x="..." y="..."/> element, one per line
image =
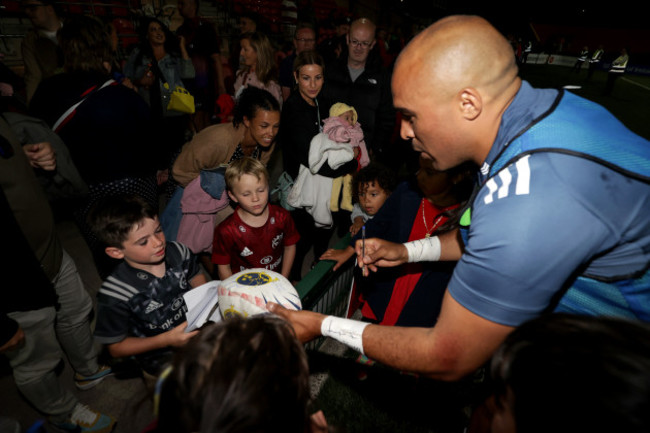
<point x="326" y="291"/>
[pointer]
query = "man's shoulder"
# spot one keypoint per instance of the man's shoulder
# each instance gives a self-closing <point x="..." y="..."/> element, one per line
<point x="542" y="181"/>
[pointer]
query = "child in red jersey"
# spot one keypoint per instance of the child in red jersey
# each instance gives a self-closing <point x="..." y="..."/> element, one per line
<point x="258" y="234"/>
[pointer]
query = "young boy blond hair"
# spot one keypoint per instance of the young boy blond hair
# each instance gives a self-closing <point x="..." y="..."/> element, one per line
<point x="258" y="234"/>
<point x="140" y="306"/>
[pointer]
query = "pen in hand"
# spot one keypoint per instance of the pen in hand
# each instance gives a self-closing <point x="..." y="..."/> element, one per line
<point x="364" y="270"/>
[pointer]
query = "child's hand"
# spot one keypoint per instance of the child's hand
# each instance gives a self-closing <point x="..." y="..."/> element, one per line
<point x="339" y="256"/>
<point x="356" y="226"/>
<point x="177" y="337"/>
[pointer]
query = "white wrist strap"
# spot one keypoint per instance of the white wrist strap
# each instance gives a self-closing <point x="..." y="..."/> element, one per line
<point x="346" y="331"/>
<point x="423" y="250"/>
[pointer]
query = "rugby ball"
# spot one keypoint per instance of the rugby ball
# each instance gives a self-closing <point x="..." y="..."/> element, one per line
<point x="247" y="292"/>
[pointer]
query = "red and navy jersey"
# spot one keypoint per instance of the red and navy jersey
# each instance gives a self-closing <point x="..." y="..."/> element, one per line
<point x="244" y="247"/>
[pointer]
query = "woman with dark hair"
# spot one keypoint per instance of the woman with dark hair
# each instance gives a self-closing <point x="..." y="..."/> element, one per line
<point x="239" y="376"/>
<point x="156" y="67"/>
<point x="301" y="119"/>
<point x="252" y="133"/>
<point x="105" y="125"/>
<point x="255" y="124"/>
<point x="258" y="67"/>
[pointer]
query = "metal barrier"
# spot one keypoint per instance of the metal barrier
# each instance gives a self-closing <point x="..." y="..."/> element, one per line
<point x="326" y="291"/>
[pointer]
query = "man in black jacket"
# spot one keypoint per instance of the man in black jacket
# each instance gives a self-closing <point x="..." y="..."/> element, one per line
<point x="358" y="79"/>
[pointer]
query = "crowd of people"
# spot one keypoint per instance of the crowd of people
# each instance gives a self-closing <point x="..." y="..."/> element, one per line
<point x="166" y="200"/>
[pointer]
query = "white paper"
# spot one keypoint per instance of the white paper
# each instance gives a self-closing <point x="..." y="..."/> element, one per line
<point x="201" y="301"/>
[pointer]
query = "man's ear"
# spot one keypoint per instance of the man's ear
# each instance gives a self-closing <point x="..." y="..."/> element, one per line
<point x="114" y="253"/>
<point x="470" y="103"/>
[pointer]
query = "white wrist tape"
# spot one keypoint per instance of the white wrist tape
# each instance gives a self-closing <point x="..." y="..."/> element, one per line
<point x="423" y="250"/>
<point x="346" y="331"/>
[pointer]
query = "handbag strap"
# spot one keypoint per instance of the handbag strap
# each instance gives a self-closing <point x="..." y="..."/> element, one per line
<point x="67" y="115"/>
<point x="156" y="70"/>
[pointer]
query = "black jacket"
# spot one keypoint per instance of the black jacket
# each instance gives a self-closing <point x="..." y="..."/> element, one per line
<point x="298" y="125"/>
<point x="370" y="95"/>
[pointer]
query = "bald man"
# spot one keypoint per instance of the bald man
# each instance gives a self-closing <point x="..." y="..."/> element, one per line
<point x="358" y="79"/>
<point x="559" y="221"/>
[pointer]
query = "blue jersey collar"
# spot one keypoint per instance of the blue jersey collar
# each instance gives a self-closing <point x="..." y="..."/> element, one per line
<point x="529" y="103"/>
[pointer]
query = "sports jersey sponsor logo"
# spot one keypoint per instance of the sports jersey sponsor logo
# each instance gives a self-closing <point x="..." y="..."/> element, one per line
<point x="266" y="260"/>
<point x="276" y="240"/>
<point x="272" y="220"/>
<point x="142" y="275"/>
<point x="153" y="305"/>
<point x="169" y="322"/>
<point x="246" y="252"/>
<point x="178" y="303"/>
<point x="275" y="265"/>
<point x="505" y="177"/>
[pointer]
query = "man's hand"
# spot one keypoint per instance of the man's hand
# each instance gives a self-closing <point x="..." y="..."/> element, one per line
<point x="177" y="337"/>
<point x="306" y="324"/>
<point x="380" y="253"/>
<point x="41" y="155"/>
<point x="15" y="342"/>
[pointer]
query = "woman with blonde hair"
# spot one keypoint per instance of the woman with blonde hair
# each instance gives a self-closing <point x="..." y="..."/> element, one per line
<point x="257" y="65"/>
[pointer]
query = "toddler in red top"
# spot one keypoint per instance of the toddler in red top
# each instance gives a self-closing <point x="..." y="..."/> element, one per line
<point x="257" y="234"/>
